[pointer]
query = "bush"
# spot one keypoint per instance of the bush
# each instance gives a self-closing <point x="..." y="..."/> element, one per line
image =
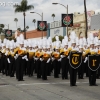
<point x="60" y="38"/>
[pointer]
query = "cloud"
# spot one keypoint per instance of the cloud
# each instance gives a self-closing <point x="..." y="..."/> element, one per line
<point x="7" y="13"/>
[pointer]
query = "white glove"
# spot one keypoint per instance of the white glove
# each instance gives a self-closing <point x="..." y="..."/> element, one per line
<point x="8" y="60"/>
<point x="23" y="58"/>
<point x="15" y="57"/>
<point x="53" y="58"/>
<point x="26" y="59"/>
<point x="35" y="58"/>
<point x="68" y="57"/>
<point x="6" y="53"/>
<point x="62" y="56"/>
<point x="85" y="59"/>
<point x="41" y="59"/>
<point x="59" y="59"/>
<point x="48" y="60"/>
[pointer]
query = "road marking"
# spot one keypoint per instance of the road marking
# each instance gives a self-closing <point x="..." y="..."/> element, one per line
<point x="4" y="85"/>
<point x="24" y="84"/>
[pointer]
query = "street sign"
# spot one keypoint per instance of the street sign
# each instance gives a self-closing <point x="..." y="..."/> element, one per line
<point x="42" y="25"/>
<point x="8" y="33"/>
<point x="67" y="20"/>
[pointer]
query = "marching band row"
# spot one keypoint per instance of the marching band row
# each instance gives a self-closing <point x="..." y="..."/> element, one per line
<point x="43" y="57"/>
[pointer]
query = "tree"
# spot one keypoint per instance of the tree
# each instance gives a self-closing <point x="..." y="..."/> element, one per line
<point x="85" y="18"/>
<point x="23" y="7"/>
<point x="1" y="28"/>
<point x="53" y="15"/>
<point x="16" y="20"/>
<point x="19" y="29"/>
<point x="27" y="27"/>
<point x="2" y="25"/>
<point x="34" y="21"/>
<point x="60" y="38"/>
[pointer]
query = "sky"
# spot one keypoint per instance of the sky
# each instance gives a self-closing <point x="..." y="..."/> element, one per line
<point x="7" y="13"/>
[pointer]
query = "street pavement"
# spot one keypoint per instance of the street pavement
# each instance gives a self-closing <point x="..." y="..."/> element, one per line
<point x="51" y="89"/>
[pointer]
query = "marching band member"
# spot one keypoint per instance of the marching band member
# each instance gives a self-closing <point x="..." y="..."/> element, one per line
<point x="21" y="57"/>
<point x="44" y="60"/>
<point x="3" y="56"/>
<point x="56" y="59"/>
<point x="81" y="68"/>
<point x="73" y="48"/>
<point x="92" y="74"/>
<point x="73" y="72"/>
<point x="0" y="54"/>
<point x="26" y="46"/>
<point x="30" y="64"/>
<point x="65" y="61"/>
<point x="49" y="64"/>
<point x="12" y="60"/>
<point x="86" y="52"/>
<point x="98" y="52"/>
<point x="38" y="55"/>
<point x="7" y="61"/>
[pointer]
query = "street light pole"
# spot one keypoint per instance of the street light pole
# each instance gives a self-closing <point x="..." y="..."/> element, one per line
<point x="67" y="12"/>
<point x="67" y="16"/>
<point x="86" y="26"/>
<point x="7" y="26"/>
<point x="41" y="19"/>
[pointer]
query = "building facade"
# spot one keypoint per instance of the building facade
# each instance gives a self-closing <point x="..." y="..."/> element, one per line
<point x="79" y="23"/>
<point x="55" y="28"/>
<point x="95" y="22"/>
<point x="33" y="34"/>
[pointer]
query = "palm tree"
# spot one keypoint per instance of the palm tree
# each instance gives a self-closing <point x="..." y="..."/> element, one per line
<point x="19" y="29"/>
<point x="85" y="18"/>
<point x="23" y="7"/>
<point x="27" y="27"/>
<point x="34" y="21"/>
<point x="1" y="28"/>
<point x="53" y="15"/>
<point x="2" y="25"/>
<point x="16" y="20"/>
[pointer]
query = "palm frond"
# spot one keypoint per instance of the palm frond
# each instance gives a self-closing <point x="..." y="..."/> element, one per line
<point x="53" y="15"/>
<point x="34" y="21"/>
<point x="23" y="7"/>
<point x="15" y="19"/>
<point x="18" y="9"/>
<point x="29" y="7"/>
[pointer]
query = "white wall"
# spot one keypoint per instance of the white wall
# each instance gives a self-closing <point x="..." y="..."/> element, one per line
<point x="56" y="31"/>
<point x="37" y="38"/>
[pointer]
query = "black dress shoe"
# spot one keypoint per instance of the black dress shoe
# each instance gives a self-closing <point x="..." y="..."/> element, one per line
<point x="20" y="80"/>
<point x="90" y="85"/>
<point x="75" y="85"/>
<point x="44" y="79"/>
<point x="98" y="78"/>
<point x="95" y="85"/>
<point x="56" y="77"/>
<point x="66" y="77"/>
